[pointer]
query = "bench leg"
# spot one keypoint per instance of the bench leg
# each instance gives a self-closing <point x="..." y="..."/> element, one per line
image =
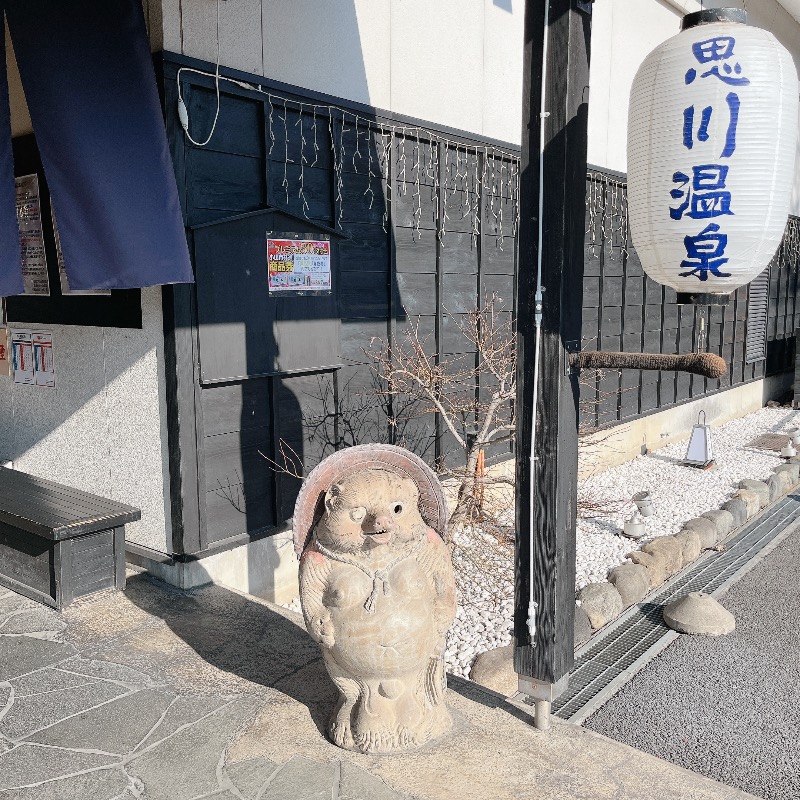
<point x="119" y="557"/>
<point x="62" y="569"/>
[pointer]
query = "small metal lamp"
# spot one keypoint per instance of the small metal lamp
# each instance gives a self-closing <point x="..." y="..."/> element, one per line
<point x="634" y="527"/>
<point x="789" y="450"/>
<point x="700" y="452"/>
<point x="794" y="435"/>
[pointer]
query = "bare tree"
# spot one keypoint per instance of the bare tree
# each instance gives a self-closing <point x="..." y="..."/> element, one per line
<point x="473" y="393"/>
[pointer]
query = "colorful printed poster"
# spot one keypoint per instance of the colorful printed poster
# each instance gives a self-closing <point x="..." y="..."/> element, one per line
<point x="5" y="353"/>
<point x="298" y="266"/>
<point x="22" y="355"/>
<point x="29" y="218"/>
<point x="43" y="365"/>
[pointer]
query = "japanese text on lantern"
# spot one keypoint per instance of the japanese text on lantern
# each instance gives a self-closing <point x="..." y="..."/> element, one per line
<point x="701" y="190"/>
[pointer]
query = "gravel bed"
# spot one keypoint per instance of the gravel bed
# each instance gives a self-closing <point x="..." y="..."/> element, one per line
<point x="679" y="493"/>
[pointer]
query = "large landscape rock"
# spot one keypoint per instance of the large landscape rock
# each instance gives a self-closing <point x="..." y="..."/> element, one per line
<point x="582" y="626"/>
<point x="705" y="529"/>
<point x="631" y="581"/>
<point x="671" y="550"/>
<point x="601" y="602"/>
<point x="699" y="613"/>
<point x="723" y="521"/>
<point x="738" y="509"/>
<point x="792" y="470"/>
<point x="757" y="487"/>
<point x="778" y="484"/>
<point x="751" y="500"/>
<point x="654" y="563"/>
<point x="494" y="669"/>
<point x="690" y="545"/>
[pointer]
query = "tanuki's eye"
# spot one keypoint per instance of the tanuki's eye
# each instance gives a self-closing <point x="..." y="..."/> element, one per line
<point x="398" y="508"/>
<point x="357" y="514"/>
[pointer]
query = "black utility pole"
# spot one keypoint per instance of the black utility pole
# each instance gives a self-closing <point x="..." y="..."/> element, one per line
<point x="547" y="483"/>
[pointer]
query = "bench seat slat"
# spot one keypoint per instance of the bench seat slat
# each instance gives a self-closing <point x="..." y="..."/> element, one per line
<point x="54" y="511"/>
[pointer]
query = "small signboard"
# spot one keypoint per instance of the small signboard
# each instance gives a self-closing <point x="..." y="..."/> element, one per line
<point x="22" y="352"/>
<point x="29" y="217"/>
<point x="5" y="352"/>
<point x="32" y="354"/>
<point x="44" y="368"/>
<point x="298" y="266"/>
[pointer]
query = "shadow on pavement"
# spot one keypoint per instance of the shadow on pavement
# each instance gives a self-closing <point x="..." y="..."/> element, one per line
<point x="242" y="637"/>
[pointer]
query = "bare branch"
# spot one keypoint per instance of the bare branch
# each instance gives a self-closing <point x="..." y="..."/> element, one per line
<point x="292" y="462"/>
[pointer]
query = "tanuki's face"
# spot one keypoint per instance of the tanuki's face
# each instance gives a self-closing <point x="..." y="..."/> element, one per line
<point x="371" y="509"/>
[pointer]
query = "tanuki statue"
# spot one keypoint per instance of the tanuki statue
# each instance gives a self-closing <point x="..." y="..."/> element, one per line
<point x="378" y="594"/>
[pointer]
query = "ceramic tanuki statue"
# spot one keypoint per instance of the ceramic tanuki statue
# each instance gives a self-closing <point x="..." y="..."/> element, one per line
<point x="377" y="589"/>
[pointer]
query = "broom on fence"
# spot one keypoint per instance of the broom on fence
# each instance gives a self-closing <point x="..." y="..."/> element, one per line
<point x="707" y="364"/>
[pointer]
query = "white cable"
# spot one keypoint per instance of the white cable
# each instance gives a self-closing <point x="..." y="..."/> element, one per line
<point x="183" y="112"/>
<point x="543" y="114"/>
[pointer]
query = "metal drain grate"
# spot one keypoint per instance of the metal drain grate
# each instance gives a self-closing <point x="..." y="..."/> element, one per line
<point x="604" y="665"/>
<point x="770" y="441"/>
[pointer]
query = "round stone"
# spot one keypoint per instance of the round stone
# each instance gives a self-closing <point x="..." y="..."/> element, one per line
<point x="699" y="613"/>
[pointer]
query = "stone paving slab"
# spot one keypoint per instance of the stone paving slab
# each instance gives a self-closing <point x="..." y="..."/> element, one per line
<point x="157" y="693"/>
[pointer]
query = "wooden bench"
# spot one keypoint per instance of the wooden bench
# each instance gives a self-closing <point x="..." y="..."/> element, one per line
<point x="59" y="543"/>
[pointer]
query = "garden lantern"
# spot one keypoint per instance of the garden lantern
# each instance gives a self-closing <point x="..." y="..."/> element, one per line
<point x="712" y="132"/>
<point x="700" y="452"/>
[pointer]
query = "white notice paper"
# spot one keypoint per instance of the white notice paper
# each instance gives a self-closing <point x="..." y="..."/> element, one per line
<point x="22" y="354"/>
<point x="43" y="365"/>
<point x="29" y="218"/>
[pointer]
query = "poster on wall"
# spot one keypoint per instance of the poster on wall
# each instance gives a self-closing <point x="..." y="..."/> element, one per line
<point x="298" y="266"/>
<point x="43" y="364"/>
<point x="32" y="358"/>
<point x="5" y="353"/>
<point x="22" y="356"/>
<point x="29" y="218"/>
<point x="62" y="273"/>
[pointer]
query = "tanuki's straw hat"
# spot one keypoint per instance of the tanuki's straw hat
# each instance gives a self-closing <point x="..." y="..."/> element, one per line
<point x="310" y="504"/>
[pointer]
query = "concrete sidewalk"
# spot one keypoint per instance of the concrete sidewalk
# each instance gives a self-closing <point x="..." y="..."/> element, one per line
<point x="157" y="693"/>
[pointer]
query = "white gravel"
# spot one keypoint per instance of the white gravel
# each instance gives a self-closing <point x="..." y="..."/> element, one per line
<point x="679" y="493"/>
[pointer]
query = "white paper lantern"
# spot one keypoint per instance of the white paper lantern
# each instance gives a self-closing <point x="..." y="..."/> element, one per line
<point x="712" y="132"/>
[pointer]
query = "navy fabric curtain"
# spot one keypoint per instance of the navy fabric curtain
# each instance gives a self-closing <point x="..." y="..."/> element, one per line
<point x="88" y="78"/>
<point x="10" y="272"/>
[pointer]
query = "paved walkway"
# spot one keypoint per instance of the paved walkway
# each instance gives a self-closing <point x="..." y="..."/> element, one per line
<point x="156" y="693"/>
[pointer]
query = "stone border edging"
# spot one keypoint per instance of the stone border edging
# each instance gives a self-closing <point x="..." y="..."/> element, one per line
<point x="661" y="558"/>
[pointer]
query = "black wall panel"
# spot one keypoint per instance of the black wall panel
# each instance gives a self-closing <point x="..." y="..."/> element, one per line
<point x="623" y="309"/>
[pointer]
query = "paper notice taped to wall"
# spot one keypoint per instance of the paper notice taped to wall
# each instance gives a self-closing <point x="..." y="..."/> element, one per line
<point x="22" y="357"/>
<point x="43" y="364"/>
<point x="29" y="217"/>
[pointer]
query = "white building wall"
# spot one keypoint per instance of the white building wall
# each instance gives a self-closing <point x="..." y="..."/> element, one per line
<point x="103" y="427"/>
<point x="453" y="62"/>
<point x="623" y="33"/>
